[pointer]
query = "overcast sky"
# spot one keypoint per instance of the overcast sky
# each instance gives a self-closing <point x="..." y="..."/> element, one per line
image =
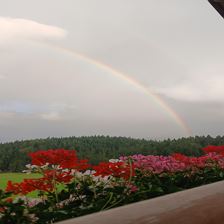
<point x="173" y="49"/>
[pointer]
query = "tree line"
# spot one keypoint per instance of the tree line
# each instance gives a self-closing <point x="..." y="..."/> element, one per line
<point x="14" y="155"/>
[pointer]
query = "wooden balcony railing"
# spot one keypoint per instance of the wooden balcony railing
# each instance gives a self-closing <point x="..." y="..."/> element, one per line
<point x="218" y="5"/>
<point x="201" y="205"/>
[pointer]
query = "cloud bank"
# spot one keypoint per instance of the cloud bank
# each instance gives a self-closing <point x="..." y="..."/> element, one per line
<point x="47" y="112"/>
<point x="16" y="29"/>
<point x="51" y="116"/>
<point x="206" y="86"/>
<point x="2" y="77"/>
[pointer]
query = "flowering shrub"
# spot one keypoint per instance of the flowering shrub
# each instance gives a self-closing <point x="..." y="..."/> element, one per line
<point x="69" y="187"/>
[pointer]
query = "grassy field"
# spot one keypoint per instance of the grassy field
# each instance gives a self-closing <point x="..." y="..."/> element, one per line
<point x="14" y="177"/>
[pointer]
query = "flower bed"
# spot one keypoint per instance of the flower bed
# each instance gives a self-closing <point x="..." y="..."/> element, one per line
<point x="69" y="187"/>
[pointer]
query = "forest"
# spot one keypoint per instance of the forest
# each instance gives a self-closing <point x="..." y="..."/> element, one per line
<point x="14" y="155"/>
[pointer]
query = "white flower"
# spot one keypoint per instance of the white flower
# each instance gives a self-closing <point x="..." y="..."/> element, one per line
<point x="28" y="166"/>
<point x="89" y="172"/>
<point x="115" y="160"/>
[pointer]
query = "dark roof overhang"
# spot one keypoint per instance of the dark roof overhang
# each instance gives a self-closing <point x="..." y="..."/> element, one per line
<point x="218" y="5"/>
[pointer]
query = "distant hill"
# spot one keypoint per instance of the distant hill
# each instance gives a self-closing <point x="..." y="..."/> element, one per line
<point x="13" y="155"/>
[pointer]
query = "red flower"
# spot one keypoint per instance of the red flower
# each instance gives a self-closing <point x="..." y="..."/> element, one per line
<point x="15" y="188"/>
<point x="119" y="169"/>
<point x="29" y="185"/>
<point x="60" y="177"/>
<point x="182" y="158"/>
<point x="46" y="183"/>
<point x="212" y="148"/>
<point x="63" y="158"/>
<point x="2" y="209"/>
<point x="9" y="200"/>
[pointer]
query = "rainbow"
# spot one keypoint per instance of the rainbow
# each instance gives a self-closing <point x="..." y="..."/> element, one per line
<point x="122" y="76"/>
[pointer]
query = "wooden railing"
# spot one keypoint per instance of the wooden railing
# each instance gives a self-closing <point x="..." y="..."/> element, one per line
<point x="218" y="5"/>
<point x="201" y="205"/>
